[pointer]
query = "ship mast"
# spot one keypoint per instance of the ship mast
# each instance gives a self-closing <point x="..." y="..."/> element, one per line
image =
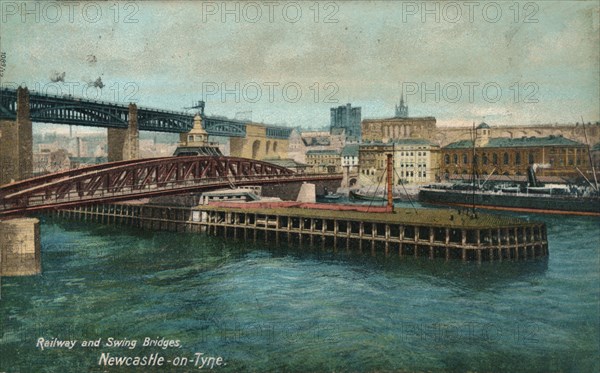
<point x="590" y="155"/>
<point x="390" y="199"/>
<point x="473" y="136"/>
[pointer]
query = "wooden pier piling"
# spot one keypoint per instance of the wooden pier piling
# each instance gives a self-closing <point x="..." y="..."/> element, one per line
<point x="429" y="233"/>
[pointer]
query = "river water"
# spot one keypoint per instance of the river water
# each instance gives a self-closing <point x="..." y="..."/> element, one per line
<point x="256" y="307"/>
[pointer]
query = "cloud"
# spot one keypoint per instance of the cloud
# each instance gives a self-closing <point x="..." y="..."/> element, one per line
<point x="367" y="53"/>
<point x="56" y="77"/>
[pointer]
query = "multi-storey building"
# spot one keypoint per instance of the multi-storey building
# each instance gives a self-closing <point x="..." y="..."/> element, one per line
<point x="301" y="142"/>
<point x="415" y="161"/>
<point x="555" y="156"/>
<point x="350" y="157"/>
<point x="324" y="161"/>
<point x="595" y="151"/>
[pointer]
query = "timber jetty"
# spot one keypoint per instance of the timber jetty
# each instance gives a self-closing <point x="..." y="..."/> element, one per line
<point x="417" y="232"/>
<point x="432" y="233"/>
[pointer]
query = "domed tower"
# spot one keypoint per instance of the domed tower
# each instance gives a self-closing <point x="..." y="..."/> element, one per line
<point x="196" y="141"/>
<point x="482" y="135"/>
<point x="197" y="135"/>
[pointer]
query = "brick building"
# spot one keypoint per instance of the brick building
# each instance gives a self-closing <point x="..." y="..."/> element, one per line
<point x="558" y="156"/>
<point x="596" y="157"/>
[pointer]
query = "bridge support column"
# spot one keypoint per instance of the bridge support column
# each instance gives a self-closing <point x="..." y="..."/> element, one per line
<point x="16" y="143"/>
<point x="345" y="172"/>
<point x="307" y="193"/>
<point x="20" y="247"/>
<point x="124" y="143"/>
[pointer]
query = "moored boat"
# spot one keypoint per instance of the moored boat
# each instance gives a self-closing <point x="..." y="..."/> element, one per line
<point x="365" y="197"/>
<point x="550" y="201"/>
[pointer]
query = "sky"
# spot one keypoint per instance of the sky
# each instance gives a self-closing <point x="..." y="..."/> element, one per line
<point x="505" y="62"/>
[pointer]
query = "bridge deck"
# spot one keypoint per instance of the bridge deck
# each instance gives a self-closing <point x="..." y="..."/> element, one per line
<point x="143" y="178"/>
<point x="47" y="108"/>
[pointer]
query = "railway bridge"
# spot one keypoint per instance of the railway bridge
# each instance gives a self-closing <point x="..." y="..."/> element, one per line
<point x="19" y="108"/>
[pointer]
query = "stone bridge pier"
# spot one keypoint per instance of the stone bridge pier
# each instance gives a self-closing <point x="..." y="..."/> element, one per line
<point x="16" y="143"/>
<point x="20" y="247"/>
<point x="124" y="143"/>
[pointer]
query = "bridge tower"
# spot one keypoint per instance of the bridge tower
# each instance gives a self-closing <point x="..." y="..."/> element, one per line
<point x="124" y="143"/>
<point x="16" y="143"/>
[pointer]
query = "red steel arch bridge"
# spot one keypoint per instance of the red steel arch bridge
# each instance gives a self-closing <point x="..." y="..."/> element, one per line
<point x="141" y="178"/>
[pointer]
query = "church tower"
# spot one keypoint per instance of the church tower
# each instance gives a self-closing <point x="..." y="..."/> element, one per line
<point x="401" y="110"/>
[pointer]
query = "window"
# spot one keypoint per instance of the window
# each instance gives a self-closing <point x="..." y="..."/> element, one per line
<point x="495" y="159"/>
<point x="465" y="160"/>
<point x="531" y="158"/>
<point x="484" y="159"/>
<point x="506" y="158"/>
<point x="518" y="158"/>
<point x="447" y="159"/>
<point x="455" y="158"/>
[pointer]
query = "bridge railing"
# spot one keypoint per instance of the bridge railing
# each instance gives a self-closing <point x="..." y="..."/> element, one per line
<point x="43" y="198"/>
<point x="34" y="93"/>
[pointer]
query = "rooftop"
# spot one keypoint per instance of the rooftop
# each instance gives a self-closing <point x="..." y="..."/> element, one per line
<point x="350" y="150"/>
<point x="505" y="142"/>
<point x="397" y="119"/>
<point x="316" y="141"/>
<point x="324" y="151"/>
<point x="398" y="142"/>
<point x="412" y="142"/>
<point x="287" y="162"/>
